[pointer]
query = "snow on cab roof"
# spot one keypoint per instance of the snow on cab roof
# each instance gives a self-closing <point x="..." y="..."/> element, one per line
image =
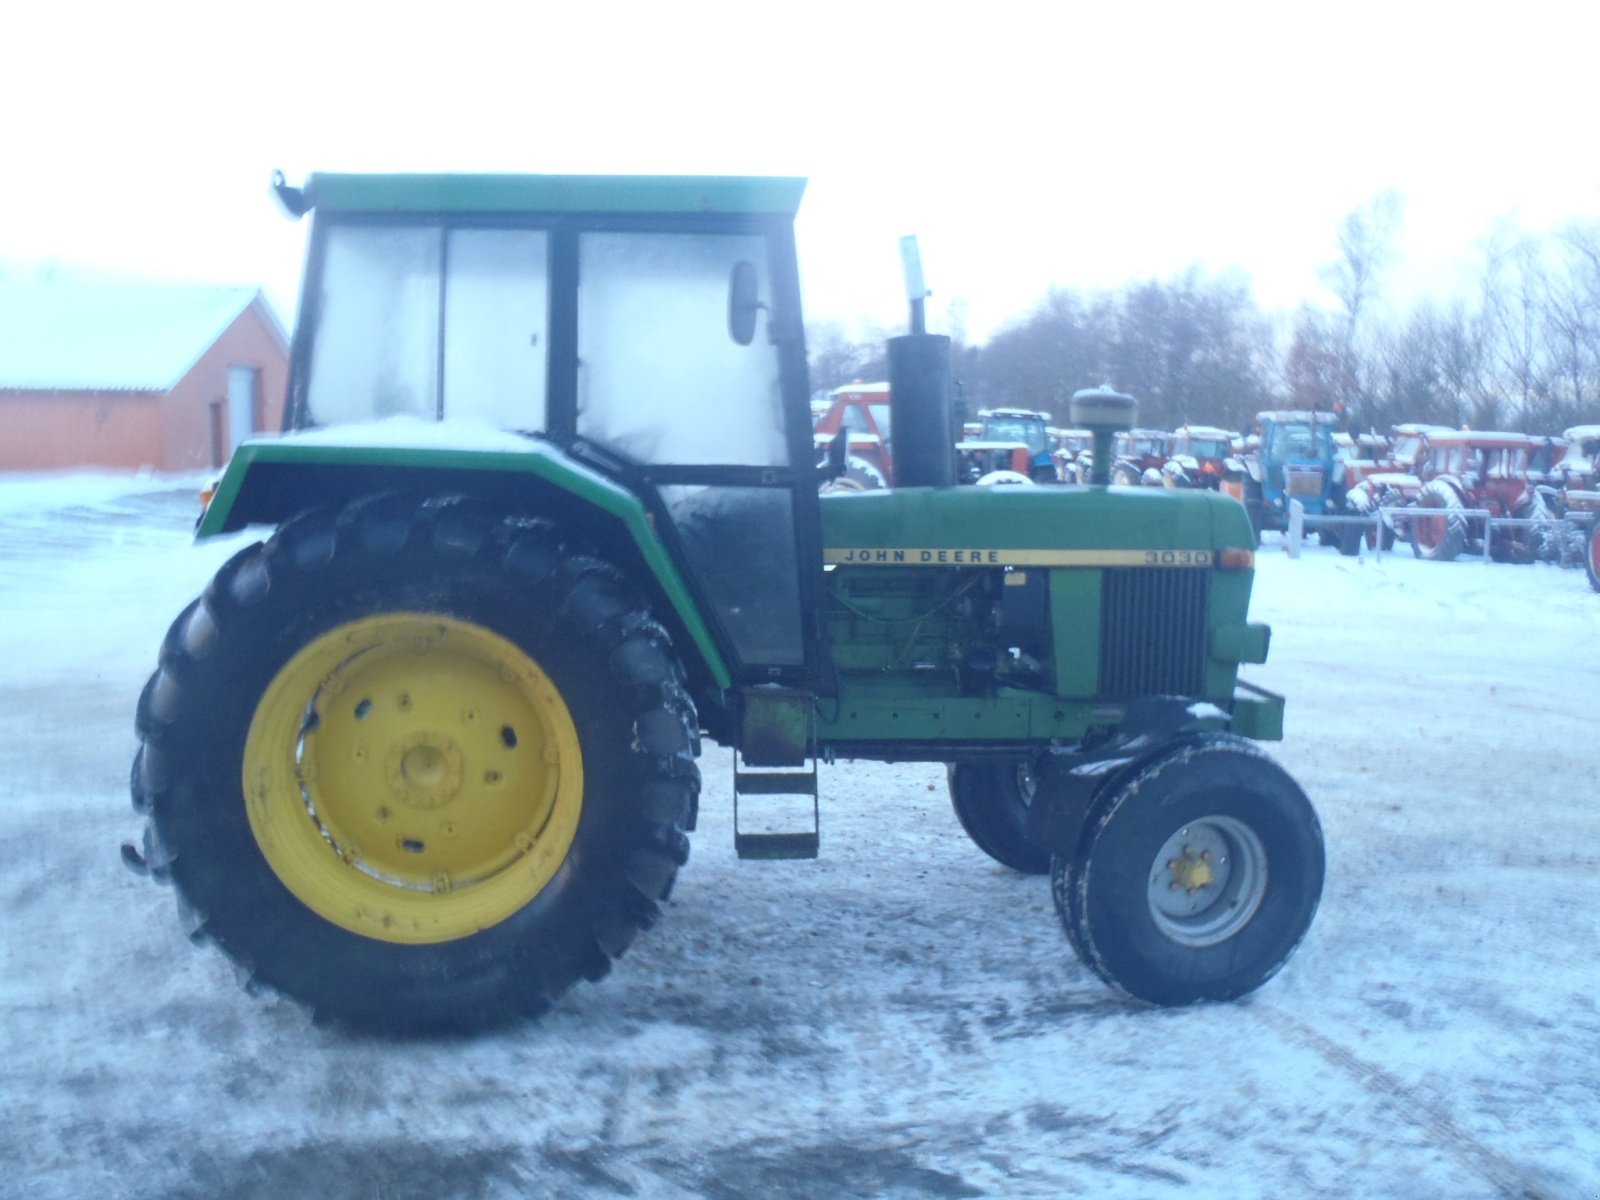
<point x="1204" y="431"/>
<point x="1480" y="437"/>
<point x="103" y="333"/>
<point x="1297" y="416"/>
<point x="1582" y="432"/>
<point x="555" y="193"/>
<point x="863" y="389"/>
<point x="1013" y="412"/>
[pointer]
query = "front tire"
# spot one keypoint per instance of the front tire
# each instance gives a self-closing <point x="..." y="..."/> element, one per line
<point x="418" y="766"/>
<point x="992" y="802"/>
<point x="1196" y="877"/>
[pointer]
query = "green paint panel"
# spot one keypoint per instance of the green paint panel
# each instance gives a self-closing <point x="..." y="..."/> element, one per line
<point x="1258" y="717"/>
<point x="910" y="719"/>
<point x="556" y="193"/>
<point x="1031" y="518"/>
<point x="1075" y="624"/>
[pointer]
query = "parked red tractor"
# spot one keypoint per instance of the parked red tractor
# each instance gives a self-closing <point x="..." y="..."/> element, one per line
<point x="861" y="412"/>
<point x="1198" y="454"/>
<point x="1484" y="471"/>
<point x="1389" y="480"/>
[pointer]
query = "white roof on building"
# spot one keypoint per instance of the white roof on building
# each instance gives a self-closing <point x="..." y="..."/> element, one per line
<point x="81" y="333"/>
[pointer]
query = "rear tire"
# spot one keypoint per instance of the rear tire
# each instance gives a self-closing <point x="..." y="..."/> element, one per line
<point x="1196" y="878"/>
<point x="1439" y="528"/>
<point x="1591" y="555"/>
<point x="1537" y="543"/>
<point x="1350" y="538"/>
<point x="418" y="766"/>
<point x="992" y="802"/>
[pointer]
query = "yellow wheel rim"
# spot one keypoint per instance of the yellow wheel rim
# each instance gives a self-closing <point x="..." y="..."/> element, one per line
<point x="413" y="778"/>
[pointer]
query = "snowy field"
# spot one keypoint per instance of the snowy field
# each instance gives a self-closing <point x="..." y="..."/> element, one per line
<point x="901" y="1018"/>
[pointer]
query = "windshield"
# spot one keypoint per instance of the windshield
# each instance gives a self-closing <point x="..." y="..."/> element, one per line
<point x="880" y="415"/>
<point x="1207" y="448"/>
<point x="401" y="333"/>
<point x="1016" y="429"/>
<point x="1581" y="453"/>
<point x="428" y="321"/>
<point x="1292" y="441"/>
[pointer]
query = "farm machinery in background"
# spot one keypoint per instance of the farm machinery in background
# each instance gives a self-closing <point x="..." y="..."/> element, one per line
<point x="1445" y="480"/>
<point x="1137" y="456"/>
<point x="860" y="411"/>
<point x="1025" y="426"/>
<point x="1068" y="446"/>
<point x="424" y="758"/>
<point x="1294" y="459"/>
<point x="1572" y="491"/>
<point x="1198" y="457"/>
<point x="1386" y="480"/>
<point x="1467" y="470"/>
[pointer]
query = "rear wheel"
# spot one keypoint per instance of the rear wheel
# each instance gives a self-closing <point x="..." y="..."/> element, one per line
<point x="992" y="802"/>
<point x="1439" y="526"/>
<point x="417" y="766"/>
<point x="1350" y="537"/>
<point x="1196" y="877"/>
<point x="1536" y="543"/>
<point x="1591" y="557"/>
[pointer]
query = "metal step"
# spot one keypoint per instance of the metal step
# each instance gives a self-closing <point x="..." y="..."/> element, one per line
<point x="782" y="843"/>
<point x="773" y="846"/>
<point x="775" y="783"/>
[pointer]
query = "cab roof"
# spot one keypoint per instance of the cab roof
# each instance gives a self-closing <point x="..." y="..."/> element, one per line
<point x="1298" y="416"/>
<point x="740" y="194"/>
<point x="1481" y="439"/>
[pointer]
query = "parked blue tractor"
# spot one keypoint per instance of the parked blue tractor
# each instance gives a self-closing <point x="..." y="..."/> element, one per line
<point x="1294" y="460"/>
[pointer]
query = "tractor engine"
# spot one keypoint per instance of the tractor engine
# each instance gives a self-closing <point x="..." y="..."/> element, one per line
<point x="969" y="630"/>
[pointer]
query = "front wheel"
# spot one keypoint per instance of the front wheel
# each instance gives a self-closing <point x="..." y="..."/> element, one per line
<point x="1196" y="878"/>
<point x="992" y="802"/>
<point x="417" y="766"/>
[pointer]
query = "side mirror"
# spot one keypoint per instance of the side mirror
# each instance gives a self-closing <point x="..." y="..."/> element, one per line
<point x="838" y="454"/>
<point x="744" y="301"/>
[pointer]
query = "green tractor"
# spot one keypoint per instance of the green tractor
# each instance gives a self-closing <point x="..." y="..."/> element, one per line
<point x="545" y="514"/>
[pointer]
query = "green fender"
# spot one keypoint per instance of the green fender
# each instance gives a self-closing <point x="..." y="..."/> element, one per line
<point x="269" y="481"/>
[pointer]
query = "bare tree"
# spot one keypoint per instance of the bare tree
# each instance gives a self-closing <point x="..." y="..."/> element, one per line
<point x="1366" y="248"/>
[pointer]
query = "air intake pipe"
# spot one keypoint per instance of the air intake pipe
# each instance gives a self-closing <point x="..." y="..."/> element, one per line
<point x="1104" y="412"/>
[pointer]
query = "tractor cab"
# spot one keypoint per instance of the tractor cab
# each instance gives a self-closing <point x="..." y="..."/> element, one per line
<point x="615" y="334"/>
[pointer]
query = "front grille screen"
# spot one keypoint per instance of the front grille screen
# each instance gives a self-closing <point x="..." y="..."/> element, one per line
<point x="1153" y="632"/>
<point x="1302" y="481"/>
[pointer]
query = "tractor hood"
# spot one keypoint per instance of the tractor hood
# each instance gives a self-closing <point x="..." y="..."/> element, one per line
<point x="1027" y="526"/>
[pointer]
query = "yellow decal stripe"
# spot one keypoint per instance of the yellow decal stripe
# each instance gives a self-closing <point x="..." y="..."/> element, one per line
<point x="974" y="556"/>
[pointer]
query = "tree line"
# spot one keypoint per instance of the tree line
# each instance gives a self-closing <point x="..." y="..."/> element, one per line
<point x="1522" y="352"/>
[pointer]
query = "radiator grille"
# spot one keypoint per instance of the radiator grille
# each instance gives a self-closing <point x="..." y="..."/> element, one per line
<point x="1153" y="632"/>
<point x="1303" y="481"/>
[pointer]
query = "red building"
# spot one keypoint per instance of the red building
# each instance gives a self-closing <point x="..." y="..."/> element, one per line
<point x="128" y="373"/>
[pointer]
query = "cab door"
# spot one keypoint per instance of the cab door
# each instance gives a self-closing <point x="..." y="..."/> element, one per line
<point x="711" y="430"/>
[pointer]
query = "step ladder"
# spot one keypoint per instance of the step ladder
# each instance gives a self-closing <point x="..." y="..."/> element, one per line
<point x="798" y="843"/>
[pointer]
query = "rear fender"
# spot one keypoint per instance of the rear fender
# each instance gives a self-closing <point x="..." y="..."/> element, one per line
<point x="268" y="482"/>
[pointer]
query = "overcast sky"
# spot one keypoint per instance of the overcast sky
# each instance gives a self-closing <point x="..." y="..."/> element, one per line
<point x="1026" y="145"/>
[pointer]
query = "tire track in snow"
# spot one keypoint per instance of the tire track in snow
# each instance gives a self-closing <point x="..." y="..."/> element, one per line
<point x="1492" y="1167"/>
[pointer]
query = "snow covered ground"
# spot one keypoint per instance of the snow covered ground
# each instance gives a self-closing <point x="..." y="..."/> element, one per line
<point x="902" y="1017"/>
